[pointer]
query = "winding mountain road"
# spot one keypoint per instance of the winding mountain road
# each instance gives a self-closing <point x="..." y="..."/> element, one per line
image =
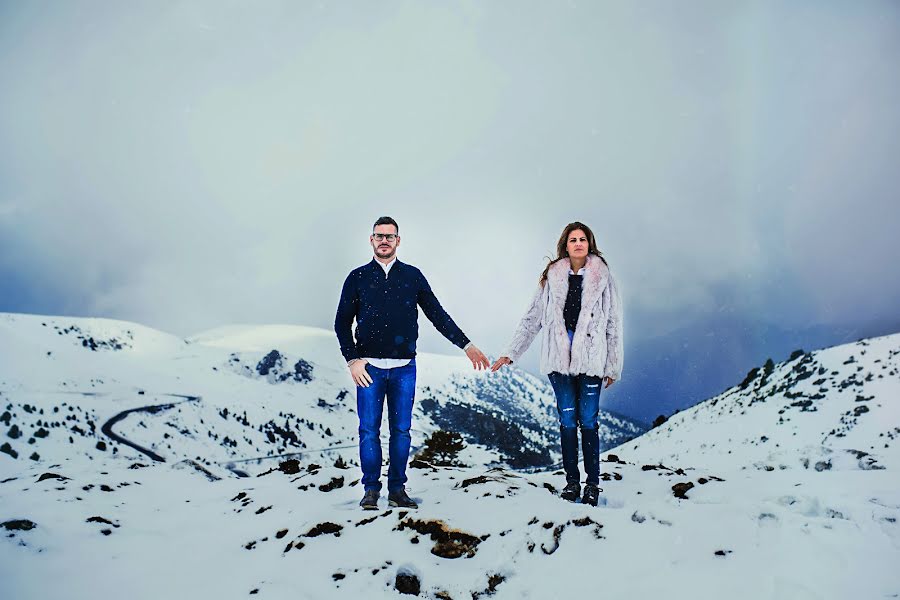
<point x="107" y="427"/>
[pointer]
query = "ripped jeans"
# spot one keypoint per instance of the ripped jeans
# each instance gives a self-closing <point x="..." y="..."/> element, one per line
<point x="578" y="405"/>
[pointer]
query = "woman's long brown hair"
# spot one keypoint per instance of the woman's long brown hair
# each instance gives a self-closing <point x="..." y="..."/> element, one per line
<point x="561" y="252"/>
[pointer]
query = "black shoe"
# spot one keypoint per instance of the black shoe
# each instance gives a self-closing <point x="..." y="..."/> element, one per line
<point x="370" y="500"/>
<point x="399" y="498"/>
<point x="591" y="494"/>
<point x="571" y="492"/>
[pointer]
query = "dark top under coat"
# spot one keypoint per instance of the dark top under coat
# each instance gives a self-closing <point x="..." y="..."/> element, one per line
<point x="573" y="302"/>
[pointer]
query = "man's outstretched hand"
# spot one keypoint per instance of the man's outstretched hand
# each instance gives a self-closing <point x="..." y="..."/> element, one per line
<point x="479" y="360"/>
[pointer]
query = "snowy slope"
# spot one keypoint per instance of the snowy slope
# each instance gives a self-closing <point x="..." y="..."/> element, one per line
<point x="88" y="530"/>
<point x="233" y="394"/>
<point x="837" y="408"/>
<point x="88" y="522"/>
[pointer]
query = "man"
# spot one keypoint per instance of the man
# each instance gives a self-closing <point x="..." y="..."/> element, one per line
<point x="383" y="296"/>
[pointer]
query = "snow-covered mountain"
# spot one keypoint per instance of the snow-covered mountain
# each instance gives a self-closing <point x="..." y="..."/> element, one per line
<point x="837" y="408"/>
<point x="236" y="393"/>
<point x="94" y="515"/>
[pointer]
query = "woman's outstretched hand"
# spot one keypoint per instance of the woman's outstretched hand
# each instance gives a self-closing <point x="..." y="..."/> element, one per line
<point x="503" y="360"/>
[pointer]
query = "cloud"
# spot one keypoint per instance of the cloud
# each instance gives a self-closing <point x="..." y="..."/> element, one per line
<point x="193" y="165"/>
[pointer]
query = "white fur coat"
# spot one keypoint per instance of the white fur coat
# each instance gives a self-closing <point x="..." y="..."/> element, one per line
<point x="596" y="348"/>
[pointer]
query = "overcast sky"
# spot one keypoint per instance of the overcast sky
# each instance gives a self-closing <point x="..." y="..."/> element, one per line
<point x="188" y="165"/>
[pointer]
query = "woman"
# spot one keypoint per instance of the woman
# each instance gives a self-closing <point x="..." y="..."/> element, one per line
<point x="577" y="304"/>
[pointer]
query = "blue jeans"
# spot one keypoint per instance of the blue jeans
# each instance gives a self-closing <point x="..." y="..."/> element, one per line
<point x="578" y="405"/>
<point x="399" y="385"/>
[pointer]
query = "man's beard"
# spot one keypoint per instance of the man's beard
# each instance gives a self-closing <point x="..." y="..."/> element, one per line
<point x="385" y="253"/>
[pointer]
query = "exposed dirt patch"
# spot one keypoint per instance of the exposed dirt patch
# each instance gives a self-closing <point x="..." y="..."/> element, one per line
<point x="18" y="525"/>
<point x="473" y="481"/>
<point x="680" y="489"/>
<point x="101" y="520"/>
<point x="289" y="467"/>
<point x="494" y="582"/>
<point x="557" y="534"/>
<point x="335" y="483"/>
<point x="448" y="542"/>
<point x="408" y="583"/>
<point x="325" y="529"/>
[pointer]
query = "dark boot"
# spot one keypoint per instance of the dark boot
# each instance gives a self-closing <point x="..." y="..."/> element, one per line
<point x="370" y="500"/>
<point x="590" y="448"/>
<point x="591" y="494"/>
<point x="569" y="441"/>
<point x="399" y="498"/>
<point x="571" y="492"/>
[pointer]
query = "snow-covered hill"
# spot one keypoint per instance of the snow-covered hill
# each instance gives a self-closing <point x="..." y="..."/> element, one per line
<point x="837" y="408"/>
<point x="95" y="516"/>
<point x="237" y="393"/>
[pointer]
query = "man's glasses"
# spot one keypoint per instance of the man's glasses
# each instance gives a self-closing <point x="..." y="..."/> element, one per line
<point x="384" y="236"/>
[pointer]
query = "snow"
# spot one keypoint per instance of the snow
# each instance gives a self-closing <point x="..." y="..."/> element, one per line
<point x="824" y="407"/>
<point x="760" y="520"/>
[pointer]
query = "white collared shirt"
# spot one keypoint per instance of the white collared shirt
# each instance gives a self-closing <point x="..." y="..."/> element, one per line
<point x="386" y="267"/>
<point x="388" y="363"/>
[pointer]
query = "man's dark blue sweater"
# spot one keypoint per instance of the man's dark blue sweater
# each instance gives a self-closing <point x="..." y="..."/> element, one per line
<point x="386" y="313"/>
